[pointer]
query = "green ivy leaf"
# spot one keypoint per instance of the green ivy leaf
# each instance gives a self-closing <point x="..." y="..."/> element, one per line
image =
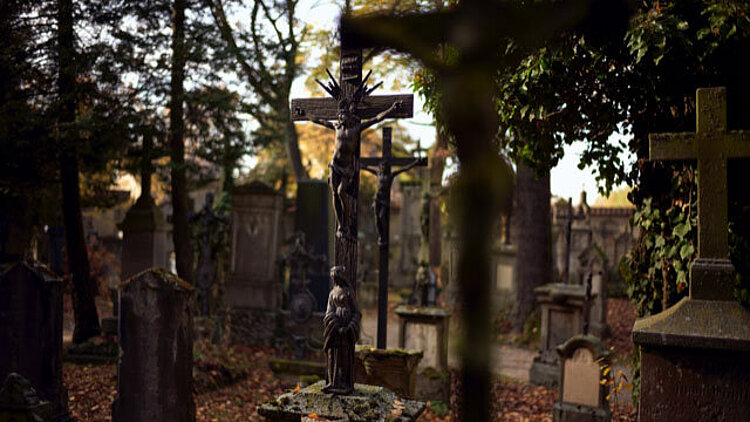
<point x="681" y="230"/>
<point x="686" y="250"/>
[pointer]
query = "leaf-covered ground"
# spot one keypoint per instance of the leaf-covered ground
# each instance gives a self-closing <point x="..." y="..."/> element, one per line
<point x="91" y="390"/>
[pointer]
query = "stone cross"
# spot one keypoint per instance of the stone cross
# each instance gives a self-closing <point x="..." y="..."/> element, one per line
<point x="351" y="102"/>
<point x="711" y="275"/>
<point x="381" y="206"/>
<point x="572" y="216"/>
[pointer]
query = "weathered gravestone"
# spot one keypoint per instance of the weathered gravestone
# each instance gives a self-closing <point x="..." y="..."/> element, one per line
<point x="314" y="218"/>
<point x="253" y="291"/>
<point x="694" y="355"/>
<point x="583" y="385"/>
<point x="594" y="266"/>
<point x="155" y="365"/>
<point x="19" y="402"/>
<point x="31" y="331"/>
<point x="562" y="308"/>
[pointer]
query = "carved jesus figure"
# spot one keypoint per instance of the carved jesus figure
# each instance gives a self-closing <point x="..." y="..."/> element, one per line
<point x="348" y="129"/>
<point x="382" y="201"/>
<point x="341" y="332"/>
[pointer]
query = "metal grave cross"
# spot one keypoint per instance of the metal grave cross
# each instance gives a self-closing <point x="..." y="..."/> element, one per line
<point x="712" y="145"/>
<point x="381" y="205"/>
<point x="350" y="98"/>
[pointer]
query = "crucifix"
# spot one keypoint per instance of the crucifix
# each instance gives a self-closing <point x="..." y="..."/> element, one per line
<point x="381" y="206"/>
<point x="569" y="218"/>
<point x="711" y="274"/>
<point x="350" y="110"/>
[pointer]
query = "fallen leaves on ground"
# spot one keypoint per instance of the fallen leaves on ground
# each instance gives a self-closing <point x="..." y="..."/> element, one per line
<point x="91" y="390"/>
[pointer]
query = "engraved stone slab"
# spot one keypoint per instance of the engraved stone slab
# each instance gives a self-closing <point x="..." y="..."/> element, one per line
<point x="581" y="377"/>
<point x="694" y="385"/>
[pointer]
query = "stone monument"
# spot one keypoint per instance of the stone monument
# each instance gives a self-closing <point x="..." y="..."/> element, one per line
<point x="694" y="355"/>
<point x="563" y="307"/>
<point x="155" y="364"/>
<point x="31" y="332"/>
<point x="583" y="387"/>
<point x="252" y="291"/>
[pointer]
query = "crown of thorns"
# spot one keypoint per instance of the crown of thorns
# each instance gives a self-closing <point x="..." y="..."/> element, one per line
<point x="334" y="89"/>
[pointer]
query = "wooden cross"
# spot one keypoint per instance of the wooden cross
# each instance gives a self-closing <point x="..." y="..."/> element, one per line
<point x="381" y="206"/>
<point x="712" y="145"/>
<point x="350" y="95"/>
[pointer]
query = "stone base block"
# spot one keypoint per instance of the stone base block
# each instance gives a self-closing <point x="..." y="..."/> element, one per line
<point x="252" y="326"/>
<point x="567" y="412"/>
<point x="434" y="385"/>
<point x="367" y="403"/>
<point x="394" y="369"/>
<point x="544" y="373"/>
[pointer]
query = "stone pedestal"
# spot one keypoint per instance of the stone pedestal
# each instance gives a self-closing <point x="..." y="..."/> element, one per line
<point x="583" y="387"/>
<point x="31" y="332"/>
<point x="367" y="403"/>
<point x="694" y="362"/>
<point x="253" y="291"/>
<point x="155" y="366"/>
<point x="394" y="369"/>
<point x="426" y="329"/>
<point x="562" y="307"/>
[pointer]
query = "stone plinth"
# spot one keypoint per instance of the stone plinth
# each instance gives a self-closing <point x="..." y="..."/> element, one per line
<point x="253" y="290"/>
<point x="426" y="329"/>
<point x="583" y="388"/>
<point x="394" y="369"/>
<point x="367" y="404"/>
<point x="155" y="366"/>
<point x="694" y="362"/>
<point x="562" y="307"/>
<point x="31" y="331"/>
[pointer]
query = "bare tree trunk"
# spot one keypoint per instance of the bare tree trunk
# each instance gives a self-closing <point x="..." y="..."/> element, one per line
<point x="534" y="254"/>
<point x="84" y="306"/>
<point x="180" y="228"/>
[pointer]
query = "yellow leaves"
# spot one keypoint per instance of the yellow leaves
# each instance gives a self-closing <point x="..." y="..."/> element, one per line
<point x="296" y="388"/>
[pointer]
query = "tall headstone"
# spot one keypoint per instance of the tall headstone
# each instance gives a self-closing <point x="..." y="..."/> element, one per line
<point x="593" y="263"/>
<point x="252" y="290"/>
<point x="314" y="218"/>
<point x="694" y="355"/>
<point x="31" y="331"/>
<point x="155" y="365"/>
